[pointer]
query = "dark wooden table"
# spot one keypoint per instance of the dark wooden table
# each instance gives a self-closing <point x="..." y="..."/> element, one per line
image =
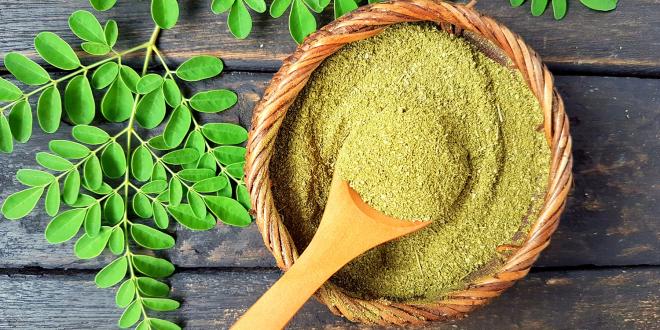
<point x="600" y="272"/>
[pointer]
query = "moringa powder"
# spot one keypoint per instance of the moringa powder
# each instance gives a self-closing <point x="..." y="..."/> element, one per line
<point x="425" y="127"/>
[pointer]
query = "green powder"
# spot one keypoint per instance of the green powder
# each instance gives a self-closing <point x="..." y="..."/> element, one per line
<point x="424" y="127"/>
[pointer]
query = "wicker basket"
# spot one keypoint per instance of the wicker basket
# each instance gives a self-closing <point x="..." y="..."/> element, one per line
<point x="363" y="23"/>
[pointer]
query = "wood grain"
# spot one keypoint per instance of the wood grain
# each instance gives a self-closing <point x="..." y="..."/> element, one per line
<point x="611" y="218"/>
<point x="621" y="42"/>
<point x="594" y="299"/>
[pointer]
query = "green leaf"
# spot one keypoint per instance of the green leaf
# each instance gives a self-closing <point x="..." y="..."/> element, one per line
<point x="90" y="134"/>
<point x="130" y="77"/>
<point x="177" y="127"/>
<point x="342" y="7"/>
<point x="175" y="191"/>
<point x="149" y="83"/>
<point x="104" y="190"/>
<point x="158" y="173"/>
<point x="199" y="68"/>
<point x="314" y="5"/>
<point x="88" y="247"/>
<point x="141" y="163"/>
<point x="19" y="204"/>
<point x="131" y="315"/>
<point x="196" y="141"/>
<point x="181" y="156"/>
<point x="161" y="219"/>
<point x="92" y="172"/>
<point x="102" y="5"/>
<point x="257" y="5"/>
<point x="150" y="110"/>
<point x="236" y="170"/>
<point x="85" y="25"/>
<point x="227" y="191"/>
<point x="229" y="154"/>
<point x="125" y="293"/>
<point x="538" y="7"/>
<point x="68" y="149"/>
<point x="111" y="32"/>
<point x="158" y="142"/>
<point x="211" y="184"/>
<point x="56" y="51"/>
<point x="142" y="206"/>
<point x="34" y="178"/>
<point x="516" y="3"/>
<point x="160" y="304"/>
<point x="112" y="274"/>
<point x="79" y="101"/>
<point x="49" y="109"/>
<point x="154" y="187"/>
<point x="9" y="91"/>
<point x="6" y="140"/>
<point x="113" y="160"/>
<point x="152" y="266"/>
<point x="20" y="121"/>
<point x="93" y="221"/>
<point x="301" y="22"/>
<point x="196" y="204"/>
<point x="601" y="5"/>
<point x="165" y="13"/>
<point x="172" y="93"/>
<point x="159" y="324"/>
<point x="71" y="187"/>
<point x="152" y="288"/>
<point x="239" y="20"/>
<point x="221" y="6"/>
<point x="196" y="174"/>
<point x="184" y="214"/>
<point x="228" y="210"/>
<point x="83" y="200"/>
<point x="95" y="48"/>
<point x="25" y="69"/>
<point x="105" y="75"/>
<point x="64" y="226"/>
<point x="225" y="133"/>
<point x="52" y="201"/>
<point x="116" y="242"/>
<point x="278" y="7"/>
<point x="213" y="101"/>
<point x="53" y="162"/>
<point x="243" y="196"/>
<point x="117" y="103"/>
<point x="150" y="238"/>
<point x="113" y="209"/>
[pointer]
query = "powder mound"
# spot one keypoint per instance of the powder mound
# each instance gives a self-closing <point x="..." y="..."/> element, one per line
<point x="446" y="133"/>
<point x="404" y="165"/>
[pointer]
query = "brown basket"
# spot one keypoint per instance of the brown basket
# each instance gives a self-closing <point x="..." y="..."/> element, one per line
<point x="363" y="23"/>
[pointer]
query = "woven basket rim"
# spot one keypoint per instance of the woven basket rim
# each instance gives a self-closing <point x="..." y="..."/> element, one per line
<point x="360" y="24"/>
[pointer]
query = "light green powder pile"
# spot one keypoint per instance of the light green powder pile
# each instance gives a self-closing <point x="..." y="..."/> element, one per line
<point x="425" y="127"/>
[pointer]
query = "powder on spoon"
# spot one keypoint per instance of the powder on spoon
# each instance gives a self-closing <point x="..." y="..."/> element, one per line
<point x="424" y="126"/>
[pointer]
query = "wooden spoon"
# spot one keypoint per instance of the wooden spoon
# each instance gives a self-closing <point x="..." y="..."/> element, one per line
<point x="348" y="228"/>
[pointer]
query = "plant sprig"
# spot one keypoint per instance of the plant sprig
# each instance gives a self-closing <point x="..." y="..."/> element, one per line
<point x="120" y="190"/>
<point x="559" y="7"/>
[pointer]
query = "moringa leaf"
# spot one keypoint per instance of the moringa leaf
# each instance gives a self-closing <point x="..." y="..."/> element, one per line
<point x="278" y="7"/>
<point x="243" y="196"/>
<point x="112" y="274"/>
<point x="142" y="206"/>
<point x="236" y="170"/>
<point x="90" y="134"/>
<point x="83" y="200"/>
<point x="19" y="204"/>
<point x="601" y="5"/>
<point x="49" y="109"/>
<point x="9" y="91"/>
<point x="117" y="103"/>
<point x="71" y="188"/>
<point x="151" y="238"/>
<point x="175" y="191"/>
<point x="213" y="101"/>
<point x="56" y="51"/>
<point x="154" y="187"/>
<point x="221" y="6"/>
<point x="342" y="7"/>
<point x="65" y="226"/>
<point x="88" y="247"/>
<point x="95" y="48"/>
<point x="161" y="219"/>
<point x="79" y="101"/>
<point x="165" y="13"/>
<point x="177" y="127"/>
<point x="111" y="32"/>
<point x="113" y="209"/>
<point x="181" y="156"/>
<point x="225" y="133"/>
<point x="113" y="160"/>
<point x="152" y="288"/>
<point x="158" y="172"/>
<point x="150" y="110"/>
<point x="149" y="83"/>
<point x="85" y="25"/>
<point x="211" y="185"/>
<point x="160" y="304"/>
<point x="130" y="77"/>
<point x="172" y="93"/>
<point x="199" y="68"/>
<point x="131" y="315"/>
<point x="92" y="222"/>
<point x="516" y="3"/>
<point x="196" y="141"/>
<point x="257" y="5"/>
<point x="559" y="8"/>
<point x="20" y="121"/>
<point x="52" y="200"/>
<point x="105" y="75"/>
<point x="196" y="174"/>
<point x="229" y="154"/>
<point x="116" y="242"/>
<point x="152" y="266"/>
<point x="163" y="324"/>
<point x="102" y="5"/>
<point x="228" y="210"/>
<point x="68" y="149"/>
<point x="538" y="7"/>
<point x="53" y="162"/>
<point x="184" y="215"/>
<point x="92" y="173"/>
<point x="125" y="293"/>
<point x="301" y="22"/>
<point x="6" y="140"/>
<point x="34" y="178"/>
<point x="25" y="69"/>
<point x="196" y="203"/>
<point x="141" y="164"/>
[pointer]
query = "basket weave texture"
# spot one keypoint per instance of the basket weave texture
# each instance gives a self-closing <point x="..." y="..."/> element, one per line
<point x="363" y="23"/>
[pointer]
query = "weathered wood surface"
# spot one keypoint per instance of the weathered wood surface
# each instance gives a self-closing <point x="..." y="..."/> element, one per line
<point x="594" y="299"/>
<point x="621" y="42"/>
<point x="611" y="218"/>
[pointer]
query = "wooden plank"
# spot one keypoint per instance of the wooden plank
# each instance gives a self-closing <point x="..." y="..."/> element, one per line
<point x="620" y="42"/>
<point x="611" y="218"/>
<point x="595" y="299"/>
